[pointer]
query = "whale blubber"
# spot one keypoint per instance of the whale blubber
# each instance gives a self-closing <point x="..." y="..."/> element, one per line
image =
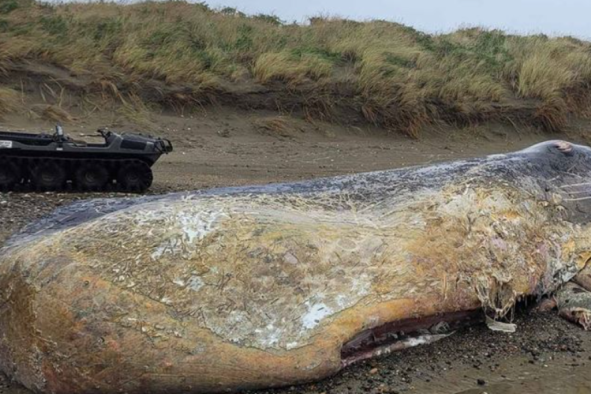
<point x="583" y="279"/>
<point x="574" y="304"/>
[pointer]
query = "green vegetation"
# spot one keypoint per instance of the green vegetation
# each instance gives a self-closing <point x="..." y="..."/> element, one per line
<point x="396" y="76"/>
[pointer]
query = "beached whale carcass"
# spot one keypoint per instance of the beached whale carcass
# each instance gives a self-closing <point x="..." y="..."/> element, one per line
<point x="255" y="287"/>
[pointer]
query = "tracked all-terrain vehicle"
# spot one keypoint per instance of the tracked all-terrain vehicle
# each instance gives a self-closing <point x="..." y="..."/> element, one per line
<point x="55" y="162"/>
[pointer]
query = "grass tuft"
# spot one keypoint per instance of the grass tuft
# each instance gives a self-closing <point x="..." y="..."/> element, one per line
<point x="54" y="113"/>
<point x="277" y="126"/>
<point x="9" y="101"/>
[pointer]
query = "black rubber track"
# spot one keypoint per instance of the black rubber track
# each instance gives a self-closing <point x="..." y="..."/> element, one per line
<point x="92" y="177"/>
<point x="134" y="176"/>
<point x="10" y="174"/>
<point x="51" y="174"/>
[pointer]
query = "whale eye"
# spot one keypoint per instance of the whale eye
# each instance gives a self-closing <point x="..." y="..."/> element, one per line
<point x="564" y="147"/>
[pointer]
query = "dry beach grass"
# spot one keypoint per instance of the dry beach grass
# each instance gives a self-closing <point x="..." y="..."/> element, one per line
<point x="177" y="55"/>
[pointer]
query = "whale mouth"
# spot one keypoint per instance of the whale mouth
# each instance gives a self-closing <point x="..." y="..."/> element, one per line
<point x="404" y="334"/>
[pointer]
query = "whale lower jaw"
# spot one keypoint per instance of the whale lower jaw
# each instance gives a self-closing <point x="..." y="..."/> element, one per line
<point x="404" y="334"/>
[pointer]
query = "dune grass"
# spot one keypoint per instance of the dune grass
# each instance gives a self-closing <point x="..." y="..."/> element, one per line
<point x="395" y="76"/>
<point x="9" y="100"/>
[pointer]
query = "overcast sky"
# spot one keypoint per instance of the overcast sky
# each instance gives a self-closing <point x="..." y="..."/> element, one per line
<point x="552" y="17"/>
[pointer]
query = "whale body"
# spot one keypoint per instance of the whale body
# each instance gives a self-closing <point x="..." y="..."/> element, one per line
<point x="254" y="287"/>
